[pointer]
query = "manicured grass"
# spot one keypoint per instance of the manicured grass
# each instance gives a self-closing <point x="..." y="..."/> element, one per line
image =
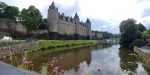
<point x="53" y="45"/>
<point x="45" y="44"/>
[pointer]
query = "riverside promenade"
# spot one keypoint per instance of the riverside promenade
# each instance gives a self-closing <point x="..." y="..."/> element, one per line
<point x="145" y="49"/>
<point x="6" y="69"/>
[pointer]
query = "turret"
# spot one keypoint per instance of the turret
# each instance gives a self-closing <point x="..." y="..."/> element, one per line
<point x="52" y="18"/>
<point x="77" y="23"/>
<point x="88" y="24"/>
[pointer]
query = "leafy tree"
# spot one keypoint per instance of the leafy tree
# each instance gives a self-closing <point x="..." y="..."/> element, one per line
<point x="3" y="5"/>
<point x="31" y="18"/>
<point x="145" y="34"/>
<point x="43" y="26"/>
<point x="141" y="27"/>
<point x="129" y="32"/>
<point x="11" y="12"/>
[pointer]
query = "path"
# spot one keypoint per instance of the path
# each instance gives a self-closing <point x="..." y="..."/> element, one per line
<point x="145" y="49"/>
<point x="6" y="69"/>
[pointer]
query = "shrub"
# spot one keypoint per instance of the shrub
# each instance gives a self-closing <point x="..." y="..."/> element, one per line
<point x="137" y="42"/>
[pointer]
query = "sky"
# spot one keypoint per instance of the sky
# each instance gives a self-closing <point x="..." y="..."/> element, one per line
<point x="105" y="15"/>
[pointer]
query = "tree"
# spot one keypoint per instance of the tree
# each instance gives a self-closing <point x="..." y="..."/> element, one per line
<point x="129" y="32"/>
<point x="11" y="12"/>
<point x="31" y="18"/>
<point x="145" y="34"/>
<point x="43" y="26"/>
<point x="141" y="27"/>
<point x="3" y="5"/>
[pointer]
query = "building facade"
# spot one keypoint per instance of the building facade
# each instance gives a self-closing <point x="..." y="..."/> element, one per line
<point x="61" y="24"/>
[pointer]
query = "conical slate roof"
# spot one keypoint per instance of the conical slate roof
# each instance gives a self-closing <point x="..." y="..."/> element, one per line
<point x="88" y="21"/>
<point x="76" y="16"/>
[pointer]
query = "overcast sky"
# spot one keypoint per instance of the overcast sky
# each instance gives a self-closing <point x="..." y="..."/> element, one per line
<point x="105" y="15"/>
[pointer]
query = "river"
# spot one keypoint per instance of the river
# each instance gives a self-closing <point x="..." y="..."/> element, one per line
<point x="101" y="59"/>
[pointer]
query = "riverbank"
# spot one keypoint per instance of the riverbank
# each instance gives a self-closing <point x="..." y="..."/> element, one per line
<point x="52" y="45"/>
<point x="143" y="56"/>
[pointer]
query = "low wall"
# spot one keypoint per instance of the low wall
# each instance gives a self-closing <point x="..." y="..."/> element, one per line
<point x="17" y="49"/>
<point x="143" y="56"/>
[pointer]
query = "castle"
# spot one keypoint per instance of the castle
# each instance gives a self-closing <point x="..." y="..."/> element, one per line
<point x="61" y="24"/>
<point x="58" y="25"/>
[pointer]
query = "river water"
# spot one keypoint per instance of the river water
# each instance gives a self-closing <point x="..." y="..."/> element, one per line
<point x="109" y="59"/>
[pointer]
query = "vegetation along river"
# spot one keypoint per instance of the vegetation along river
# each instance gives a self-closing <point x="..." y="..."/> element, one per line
<point x="101" y="59"/>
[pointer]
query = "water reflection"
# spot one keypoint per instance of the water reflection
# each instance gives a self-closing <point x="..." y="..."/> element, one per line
<point x="130" y="63"/>
<point x="127" y="62"/>
<point x="111" y="59"/>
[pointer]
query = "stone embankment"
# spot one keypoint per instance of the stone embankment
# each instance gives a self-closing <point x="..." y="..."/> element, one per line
<point x="143" y="56"/>
<point x="17" y="49"/>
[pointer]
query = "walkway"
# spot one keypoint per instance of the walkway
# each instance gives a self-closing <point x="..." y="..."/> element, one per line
<point x="145" y="49"/>
<point x="6" y="69"/>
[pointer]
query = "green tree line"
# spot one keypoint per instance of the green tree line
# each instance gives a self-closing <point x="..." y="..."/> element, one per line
<point x="31" y="18"/>
<point x="133" y="34"/>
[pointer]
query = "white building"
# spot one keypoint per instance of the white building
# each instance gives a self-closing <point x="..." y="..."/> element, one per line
<point x="7" y="38"/>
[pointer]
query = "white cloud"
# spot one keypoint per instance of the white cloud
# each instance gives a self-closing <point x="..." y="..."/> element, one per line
<point x="107" y="13"/>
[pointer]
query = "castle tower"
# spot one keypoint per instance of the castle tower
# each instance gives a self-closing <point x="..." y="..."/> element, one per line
<point x="52" y="19"/>
<point x="88" y="24"/>
<point x="77" y="23"/>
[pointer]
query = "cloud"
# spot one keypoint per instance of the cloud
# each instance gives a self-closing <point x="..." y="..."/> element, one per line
<point x="66" y="9"/>
<point x="69" y="10"/>
<point x="146" y="22"/>
<point x="146" y="12"/>
<point x="105" y="25"/>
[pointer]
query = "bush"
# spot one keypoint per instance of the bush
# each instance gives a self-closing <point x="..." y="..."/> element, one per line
<point x="137" y="42"/>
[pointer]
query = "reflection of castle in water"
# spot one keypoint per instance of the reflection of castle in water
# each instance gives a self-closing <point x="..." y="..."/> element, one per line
<point x="71" y="58"/>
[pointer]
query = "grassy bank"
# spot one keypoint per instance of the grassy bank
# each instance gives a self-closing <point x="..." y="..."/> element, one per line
<point x="64" y="44"/>
<point x="61" y="45"/>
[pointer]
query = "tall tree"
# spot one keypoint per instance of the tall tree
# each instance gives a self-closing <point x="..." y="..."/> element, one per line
<point x="11" y="12"/>
<point x="129" y="32"/>
<point x="141" y="27"/>
<point x="3" y="5"/>
<point x="43" y="26"/>
<point x="31" y="18"/>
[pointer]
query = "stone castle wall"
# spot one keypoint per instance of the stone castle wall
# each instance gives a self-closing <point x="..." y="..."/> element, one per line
<point x="12" y="25"/>
<point x="66" y="27"/>
<point x="83" y="31"/>
<point x="61" y="24"/>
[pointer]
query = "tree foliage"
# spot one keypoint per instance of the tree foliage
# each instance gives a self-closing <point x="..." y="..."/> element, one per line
<point x="129" y="32"/>
<point x="141" y="27"/>
<point x="145" y="34"/>
<point x="43" y="25"/>
<point x="10" y="12"/>
<point x="3" y="5"/>
<point x="107" y="35"/>
<point x="31" y="18"/>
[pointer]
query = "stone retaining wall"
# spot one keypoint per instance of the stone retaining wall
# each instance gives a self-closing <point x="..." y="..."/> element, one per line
<point x="17" y="49"/>
<point x="143" y="56"/>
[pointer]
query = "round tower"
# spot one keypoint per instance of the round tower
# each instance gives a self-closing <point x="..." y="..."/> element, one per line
<point x="77" y="23"/>
<point x="52" y="18"/>
<point x="88" y="24"/>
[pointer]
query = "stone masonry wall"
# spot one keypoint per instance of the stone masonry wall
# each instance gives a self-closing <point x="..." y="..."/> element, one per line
<point x="66" y="28"/>
<point x="10" y="24"/>
<point x="17" y="49"/>
<point x="143" y="56"/>
<point x="83" y="31"/>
